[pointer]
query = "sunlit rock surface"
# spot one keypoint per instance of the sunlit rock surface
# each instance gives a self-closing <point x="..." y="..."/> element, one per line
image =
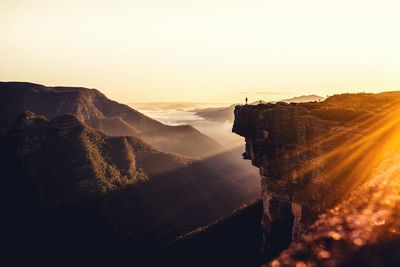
<point x="364" y="230"/>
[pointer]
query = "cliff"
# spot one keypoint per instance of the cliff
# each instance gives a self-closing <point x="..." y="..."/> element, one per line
<point x="276" y="140"/>
<point x="312" y="155"/>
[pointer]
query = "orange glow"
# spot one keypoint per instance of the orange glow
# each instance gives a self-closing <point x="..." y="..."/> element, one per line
<point x="358" y="150"/>
<point x="208" y="51"/>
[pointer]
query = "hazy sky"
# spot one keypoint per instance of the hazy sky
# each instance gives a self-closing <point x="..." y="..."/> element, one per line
<point x="203" y="51"/>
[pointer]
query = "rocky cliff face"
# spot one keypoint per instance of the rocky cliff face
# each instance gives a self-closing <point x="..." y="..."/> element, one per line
<point x="306" y="161"/>
<point x="298" y="157"/>
<point x="277" y="137"/>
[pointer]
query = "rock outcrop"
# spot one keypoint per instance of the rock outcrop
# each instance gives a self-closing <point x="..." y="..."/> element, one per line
<point x="276" y="139"/>
<point x="311" y="155"/>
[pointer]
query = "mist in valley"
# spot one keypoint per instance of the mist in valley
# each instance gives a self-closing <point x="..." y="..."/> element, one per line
<point x="232" y="145"/>
<point x="220" y="131"/>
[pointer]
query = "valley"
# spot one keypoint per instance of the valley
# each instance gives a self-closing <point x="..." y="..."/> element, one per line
<point x="168" y="186"/>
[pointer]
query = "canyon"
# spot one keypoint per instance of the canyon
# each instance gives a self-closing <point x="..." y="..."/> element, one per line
<point x="87" y="178"/>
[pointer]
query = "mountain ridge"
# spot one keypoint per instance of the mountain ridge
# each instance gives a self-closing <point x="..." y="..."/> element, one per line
<point x="96" y="110"/>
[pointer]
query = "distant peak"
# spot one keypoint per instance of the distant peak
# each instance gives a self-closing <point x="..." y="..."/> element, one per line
<point x="15" y="85"/>
<point x="303" y="98"/>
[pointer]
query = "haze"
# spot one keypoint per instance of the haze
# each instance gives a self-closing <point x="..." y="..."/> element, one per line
<point x="204" y="51"/>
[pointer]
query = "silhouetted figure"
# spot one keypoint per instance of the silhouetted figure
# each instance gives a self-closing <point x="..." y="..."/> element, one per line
<point x="246" y="100"/>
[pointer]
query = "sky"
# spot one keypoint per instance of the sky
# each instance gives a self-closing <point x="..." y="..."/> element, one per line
<point x="203" y="51"/>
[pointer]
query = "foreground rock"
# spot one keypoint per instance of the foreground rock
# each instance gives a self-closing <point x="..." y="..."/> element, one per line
<point x="363" y="230"/>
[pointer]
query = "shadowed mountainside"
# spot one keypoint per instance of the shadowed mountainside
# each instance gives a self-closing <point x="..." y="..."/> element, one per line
<point x="73" y="190"/>
<point x="233" y="241"/>
<point x="96" y="110"/>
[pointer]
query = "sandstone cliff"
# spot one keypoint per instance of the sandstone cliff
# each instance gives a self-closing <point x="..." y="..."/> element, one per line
<point x="311" y="155"/>
<point x="275" y="136"/>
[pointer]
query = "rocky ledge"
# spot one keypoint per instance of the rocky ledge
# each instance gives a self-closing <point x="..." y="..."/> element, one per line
<point x="277" y="141"/>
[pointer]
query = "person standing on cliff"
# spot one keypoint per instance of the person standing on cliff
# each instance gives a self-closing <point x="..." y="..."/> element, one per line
<point x="246" y="100"/>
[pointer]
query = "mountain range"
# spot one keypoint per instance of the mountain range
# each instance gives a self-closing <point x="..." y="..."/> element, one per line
<point x="86" y="174"/>
<point x="96" y="110"/>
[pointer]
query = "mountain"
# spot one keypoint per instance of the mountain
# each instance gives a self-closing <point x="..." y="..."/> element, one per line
<point x="71" y="190"/>
<point x="220" y="114"/>
<point x="303" y="99"/>
<point x="95" y="109"/>
<point x="115" y="119"/>
<point x="85" y="175"/>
